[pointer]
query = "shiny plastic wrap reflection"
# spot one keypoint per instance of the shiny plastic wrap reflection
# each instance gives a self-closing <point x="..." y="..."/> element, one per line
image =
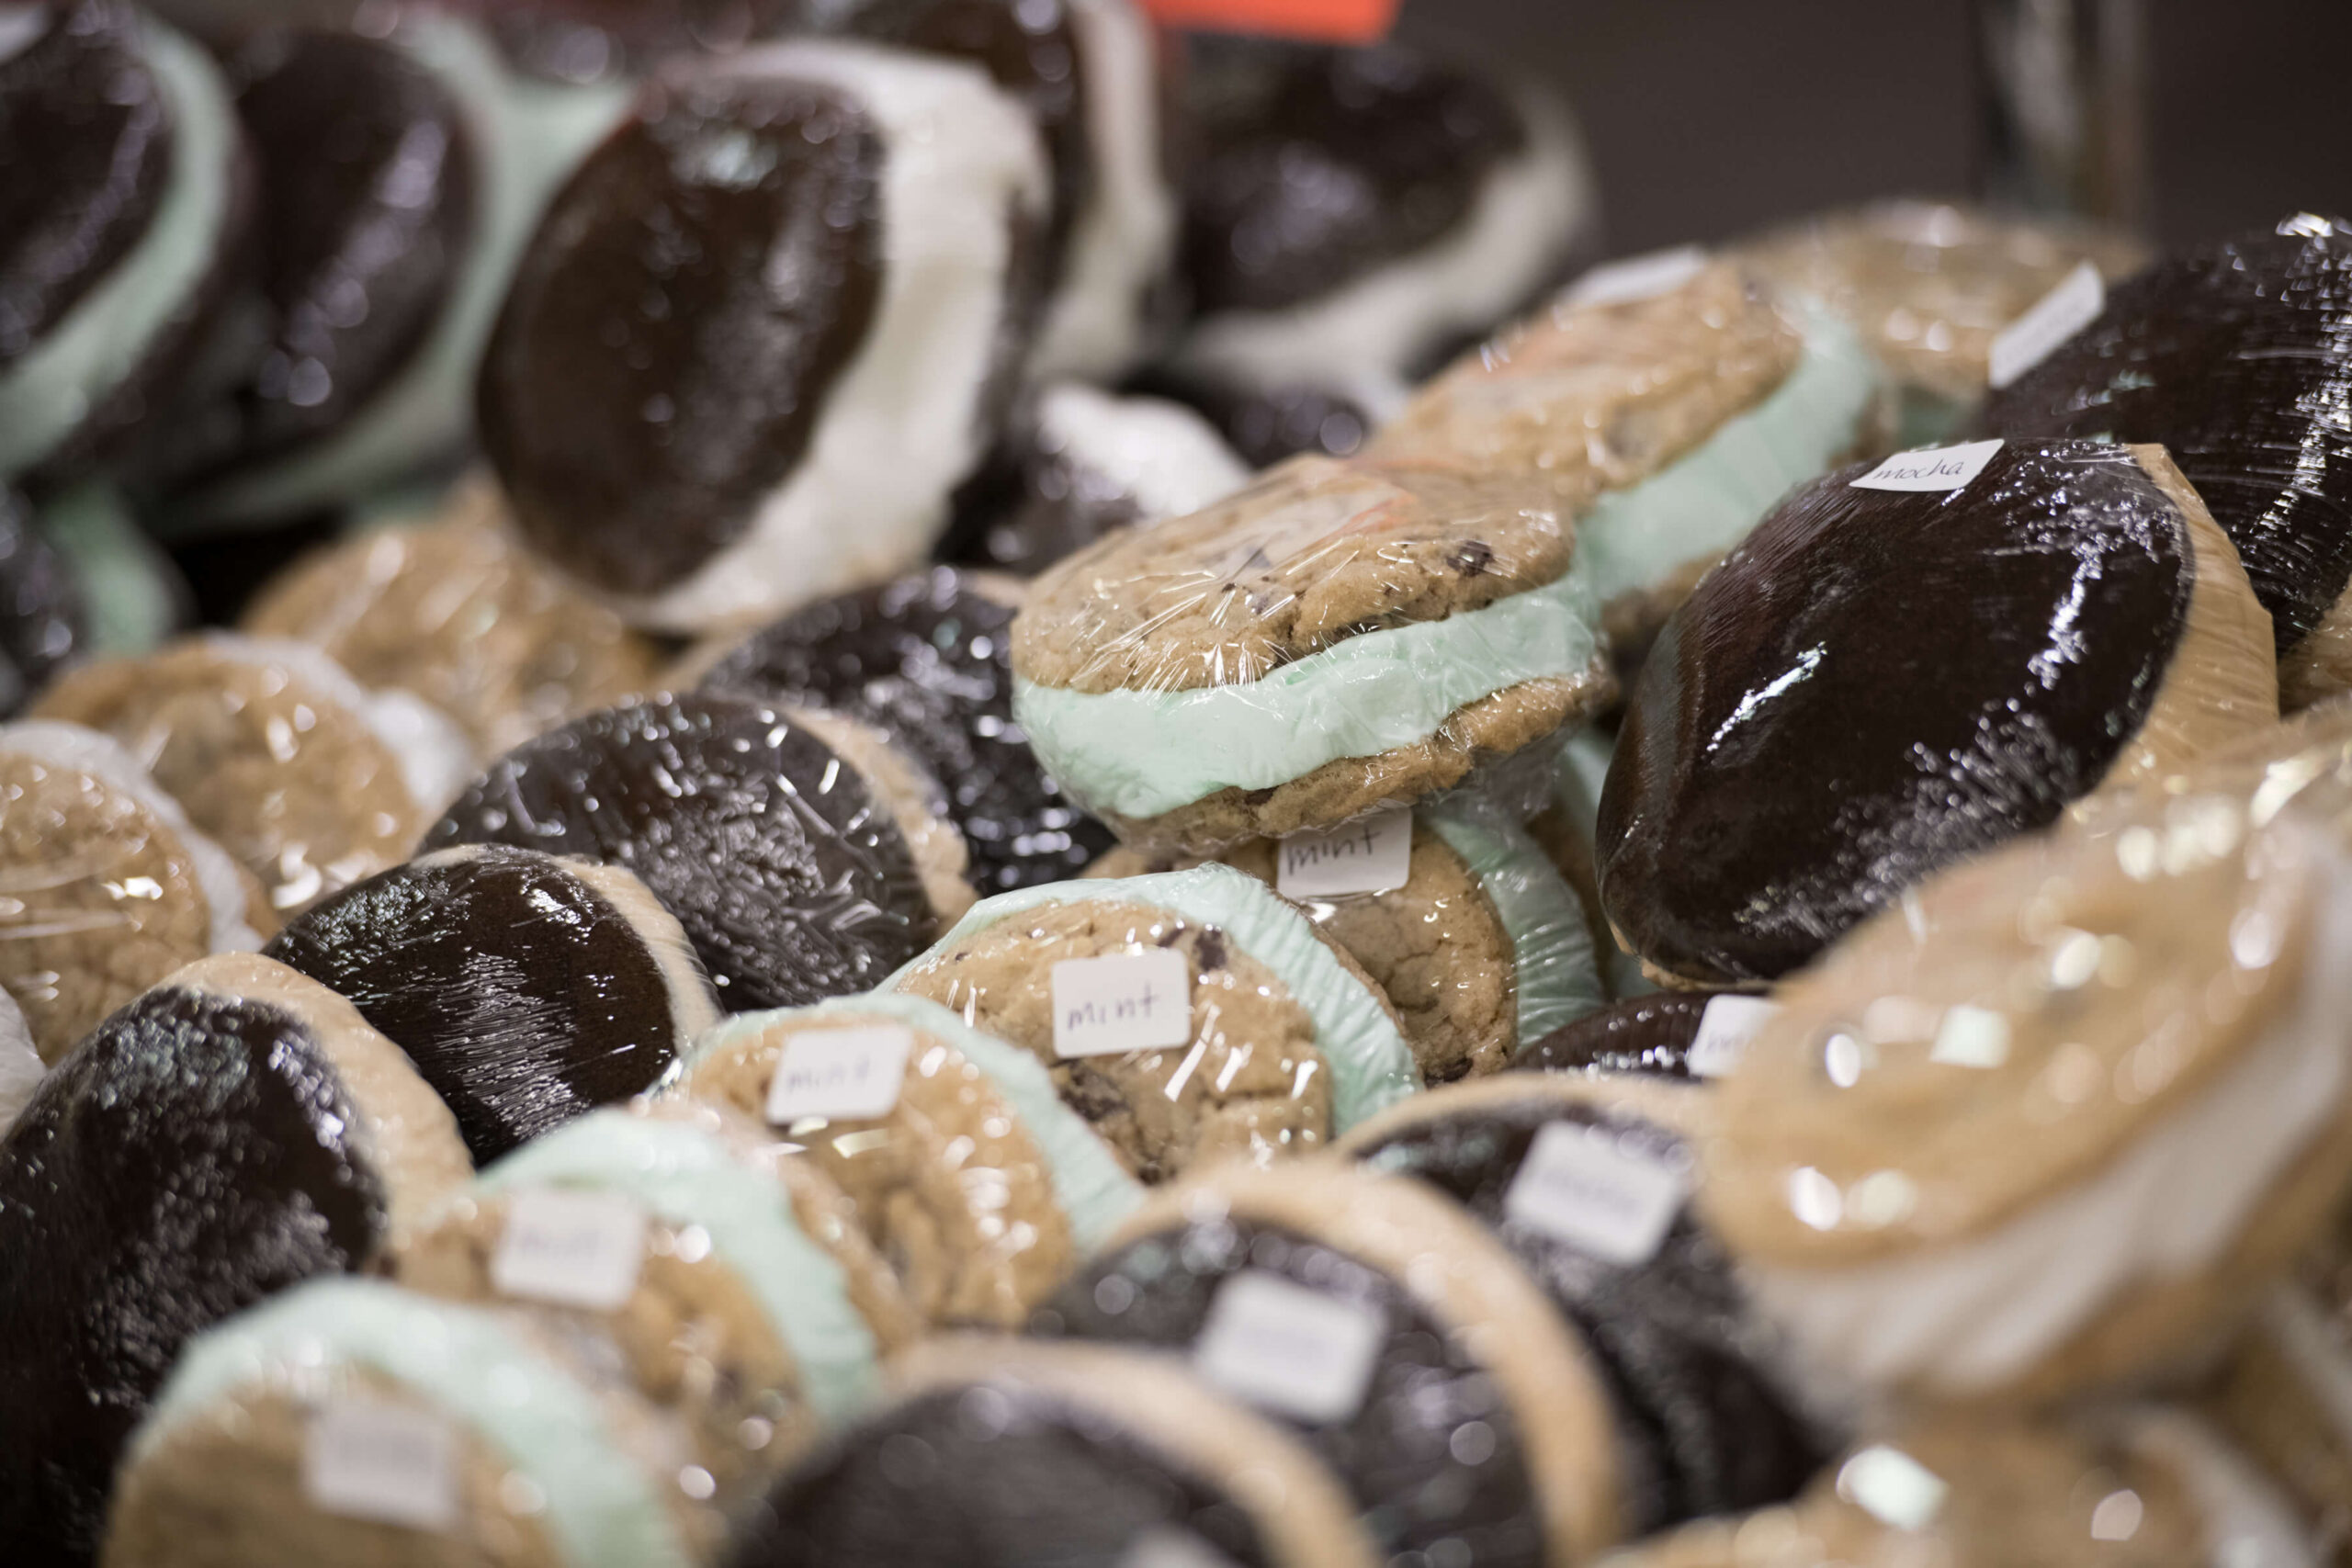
<point x="1880" y="682"/>
<point x="1650" y="1034"/>
<point x="1029" y="1452"/>
<point x="2059" y="1117"/>
<point x="740" y="1296"/>
<point x="309" y="780"/>
<point x="2234" y="357"/>
<point x="528" y="990"/>
<point x="787" y="869"/>
<point x="1479" y="1416"/>
<point x="1336" y="638"/>
<point x="1707" y="1422"/>
<point x="1929" y="285"/>
<point x="1278" y="1040"/>
<point x="230" y="1132"/>
<point x="299" y="1431"/>
<point x="979" y="1185"/>
<point x="107" y="888"/>
<point x="451" y="610"/>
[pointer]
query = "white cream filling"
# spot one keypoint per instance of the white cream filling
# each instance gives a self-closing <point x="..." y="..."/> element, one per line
<point x="1526" y="214"/>
<point x="2248" y="1523"/>
<point x="435" y="758"/>
<point x="901" y="426"/>
<point x="1124" y="236"/>
<point x="71" y="746"/>
<point x="20" y="1063"/>
<point x="79" y="362"/>
<point x="1966" y="1319"/>
<point x="1169" y="461"/>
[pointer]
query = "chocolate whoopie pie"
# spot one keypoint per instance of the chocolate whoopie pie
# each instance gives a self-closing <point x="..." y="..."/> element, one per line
<point x="1882" y="681"/>
<point x="928" y="660"/>
<point x="41" y="617"/>
<point x="526" y="990"/>
<point x="236" y="1130"/>
<point x="1005" y="1453"/>
<point x="685" y="439"/>
<point x="785" y="866"/>
<point x="1647" y="1034"/>
<point x="2232" y="357"/>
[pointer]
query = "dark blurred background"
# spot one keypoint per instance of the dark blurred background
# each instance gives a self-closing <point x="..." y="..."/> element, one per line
<point x="1708" y="117"/>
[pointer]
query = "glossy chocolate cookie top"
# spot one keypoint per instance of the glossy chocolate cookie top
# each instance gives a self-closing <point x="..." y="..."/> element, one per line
<point x="1877" y="684"/>
<point x="525" y="995"/>
<point x="785" y="869"/>
<point x="193" y="1155"/>
<point x="651" y="379"/>
<point x="2236" y="358"/>
<point x="1315" y="165"/>
<point x="928" y="660"/>
<point x="1646" y="1035"/>
<point x="85" y="140"/>
<point x="40" y="607"/>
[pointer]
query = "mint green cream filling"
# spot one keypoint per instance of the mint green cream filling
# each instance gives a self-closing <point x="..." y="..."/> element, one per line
<point x="1706" y="501"/>
<point x="1582" y="769"/>
<point x="689" y="1177"/>
<point x="530" y="138"/>
<point x="47" y="394"/>
<point x="125" y="581"/>
<point x="602" y="1510"/>
<point x="1143" y="753"/>
<point x="1371" y="1068"/>
<point x="1556" y="978"/>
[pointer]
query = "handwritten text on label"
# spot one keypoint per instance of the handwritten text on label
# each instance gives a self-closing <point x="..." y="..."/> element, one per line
<point x="1129" y="1001"/>
<point x="848" y="1074"/>
<point x="1288" y="1349"/>
<point x="381" y="1463"/>
<point x="1726" y="1027"/>
<point x="1936" y="468"/>
<point x="1372" y="854"/>
<point x="1591" y="1188"/>
<point x="579" y="1249"/>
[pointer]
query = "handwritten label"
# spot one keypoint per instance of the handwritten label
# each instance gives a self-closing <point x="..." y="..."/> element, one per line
<point x="386" y="1463"/>
<point x="2055" y="317"/>
<point x="1165" y="1546"/>
<point x="846" y="1073"/>
<point x="1373" y="855"/>
<point x="1645" y="276"/>
<point x="1107" y="1006"/>
<point x="1589" y="1187"/>
<point x="1287" y="1348"/>
<point x="578" y="1250"/>
<point x="1724" y="1028"/>
<point x="1935" y="468"/>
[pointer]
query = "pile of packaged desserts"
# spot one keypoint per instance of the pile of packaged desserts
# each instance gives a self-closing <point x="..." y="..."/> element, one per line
<point x="940" y="781"/>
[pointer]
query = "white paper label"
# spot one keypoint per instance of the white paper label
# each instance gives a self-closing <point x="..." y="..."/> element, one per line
<point x="578" y="1250"/>
<point x="1287" y="1348"/>
<point x="1164" y="1546"/>
<point x="1373" y="855"/>
<point x="1935" y="468"/>
<point x="1724" y="1028"/>
<point x="2055" y="317"/>
<point x="381" y="1463"/>
<point x="1636" y="278"/>
<point x="1129" y="1001"/>
<point x="846" y="1073"/>
<point x="1586" y="1186"/>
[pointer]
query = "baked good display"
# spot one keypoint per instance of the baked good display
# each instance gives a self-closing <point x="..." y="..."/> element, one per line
<point x="527" y="988"/>
<point x="230" y="1132"/>
<point x="958" y="1159"/>
<point x="1649" y="1035"/>
<point x="713" y="488"/>
<point x="1334" y="639"/>
<point x="2224" y="355"/>
<point x="1839" y="708"/>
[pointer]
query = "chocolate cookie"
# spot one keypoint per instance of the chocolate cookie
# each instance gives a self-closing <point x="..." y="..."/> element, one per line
<point x="927" y="659"/>
<point x="114" y="889"/>
<point x="741" y="1296"/>
<point x="1650" y="1036"/>
<point x="1070" y="1454"/>
<point x="652" y="459"/>
<point x="309" y="780"/>
<point x="236" y="1130"/>
<point x="1465" y="1412"/>
<point x="528" y="990"/>
<point x="784" y="866"/>
<point x="2056" y="1122"/>
<point x="977" y="1184"/>
<point x="1589" y="1186"/>
<point x="1231" y="1028"/>
<point x="2227" y="355"/>
<point x="1882" y="681"/>
<point x="452" y="610"/>
<point x="1334" y="639"/>
<point x="351" y="1420"/>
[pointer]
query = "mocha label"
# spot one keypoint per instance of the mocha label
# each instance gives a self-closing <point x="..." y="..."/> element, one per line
<point x="1937" y="468"/>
